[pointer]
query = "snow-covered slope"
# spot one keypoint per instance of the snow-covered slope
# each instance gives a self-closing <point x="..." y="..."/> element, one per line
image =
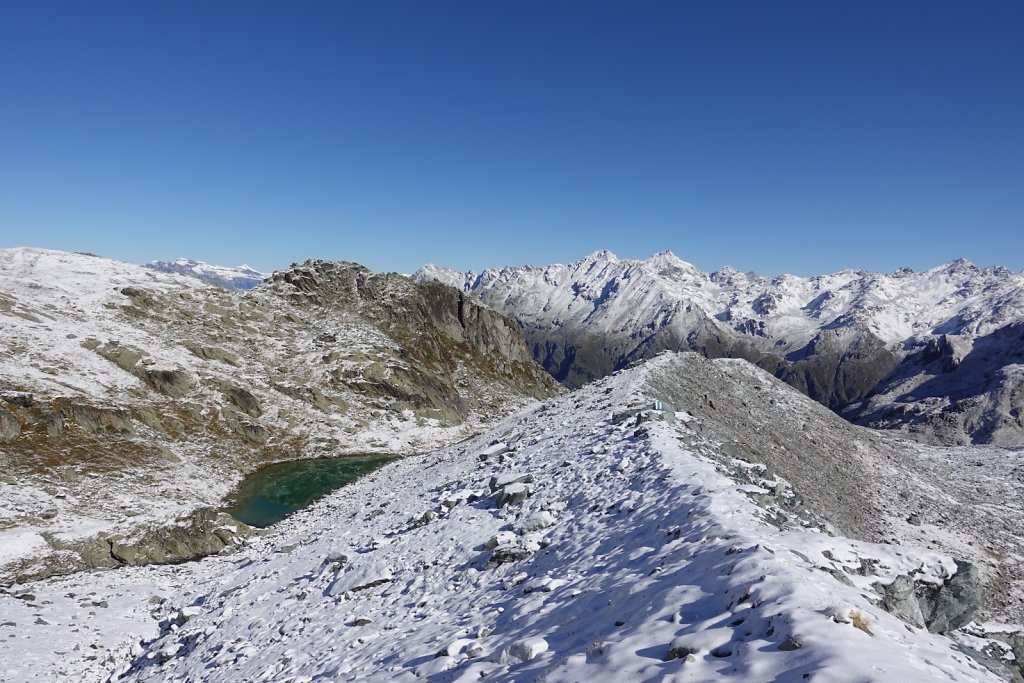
<point x="129" y="396"/>
<point x="835" y="337"/>
<point x="238" y="278"/>
<point x="565" y="545"/>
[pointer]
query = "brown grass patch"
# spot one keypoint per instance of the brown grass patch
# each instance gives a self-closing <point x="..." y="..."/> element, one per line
<point x="861" y="621"/>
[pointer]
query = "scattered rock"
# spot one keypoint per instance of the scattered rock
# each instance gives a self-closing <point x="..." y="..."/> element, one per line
<point x="790" y="644"/>
<point x="494" y="449"/>
<point x="509" y="552"/>
<point x="502" y="537"/>
<point x="500" y="481"/>
<point x="527" y="649"/>
<point x="535" y="522"/>
<point x="514" y="494"/>
<point x="358" y="577"/>
<point x="426" y="518"/>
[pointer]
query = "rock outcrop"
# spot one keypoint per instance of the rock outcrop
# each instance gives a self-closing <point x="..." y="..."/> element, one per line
<point x="940" y="609"/>
<point x="954" y="390"/>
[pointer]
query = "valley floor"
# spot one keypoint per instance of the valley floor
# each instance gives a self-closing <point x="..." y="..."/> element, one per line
<point x="559" y="546"/>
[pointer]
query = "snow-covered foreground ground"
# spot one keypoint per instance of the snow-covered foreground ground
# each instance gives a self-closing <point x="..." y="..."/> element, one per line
<point x="619" y="555"/>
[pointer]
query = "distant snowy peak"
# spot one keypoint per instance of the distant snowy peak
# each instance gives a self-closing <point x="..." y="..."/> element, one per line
<point x="835" y="337"/>
<point x="239" y="278"/>
<point x="447" y="276"/>
<point x="790" y="310"/>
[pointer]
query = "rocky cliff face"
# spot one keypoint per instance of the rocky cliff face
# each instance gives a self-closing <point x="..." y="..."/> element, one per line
<point x="836" y="337"/>
<point x="131" y="397"/>
<point x="955" y="390"/>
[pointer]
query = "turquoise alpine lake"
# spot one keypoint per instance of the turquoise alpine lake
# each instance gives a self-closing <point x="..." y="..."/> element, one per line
<point x="273" y="492"/>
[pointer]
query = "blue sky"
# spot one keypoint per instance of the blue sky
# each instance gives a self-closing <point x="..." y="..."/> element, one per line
<point x="782" y="136"/>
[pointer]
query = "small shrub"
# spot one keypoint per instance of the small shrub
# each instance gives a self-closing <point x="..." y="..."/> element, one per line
<point x="861" y="621"/>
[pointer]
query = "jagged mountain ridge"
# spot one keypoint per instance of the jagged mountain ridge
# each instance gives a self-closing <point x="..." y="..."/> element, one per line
<point x="129" y="396"/>
<point x="842" y="338"/>
<point x="239" y="278"/>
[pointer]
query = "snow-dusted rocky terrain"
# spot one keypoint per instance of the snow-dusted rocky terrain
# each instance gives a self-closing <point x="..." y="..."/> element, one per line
<point x="239" y="278"/>
<point x="586" y="539"/>
<point x="939" y="353"/>
<point x="130" y="397"/>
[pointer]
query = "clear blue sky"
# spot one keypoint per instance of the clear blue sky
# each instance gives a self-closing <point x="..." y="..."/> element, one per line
<point x="771" y="136"/>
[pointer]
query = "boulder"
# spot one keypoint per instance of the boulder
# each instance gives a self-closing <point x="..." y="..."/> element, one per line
<point x="201" y="533"/>
<point x="509" y="552"/>
<point x="900" y="599"/>
<point x="940" y="609"/>
<point x="309" y="394"/>
<point x="98" y="420"/>
<point x="501" y="538"/>
<point x="173" y="383"/>
<point x="241" y="425"/>
<point x="528" y="649"/>
<point x="124" y="357"/>
<point x="140" y="298"/>
<point x="679" y="649"/>
<point x="535" y="522"/>
<point x="10" y="428"/>
<point x="20" y="398"/>
<point x="953" y="605"/>
<point x="212" y="353"/>
<point x="514" y="494"/>
<point x="494" y="449"/>
<point x="241" y="399"/>
<point x="253" y="432"/>
<point x="500" y="481"/>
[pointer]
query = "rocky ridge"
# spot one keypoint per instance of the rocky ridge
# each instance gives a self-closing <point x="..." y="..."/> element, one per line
<point x="608" y="534"/>
<point x="885" y="350"/>
<point x="131" y="398"/>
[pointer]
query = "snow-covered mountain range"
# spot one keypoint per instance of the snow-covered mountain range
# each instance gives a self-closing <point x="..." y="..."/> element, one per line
<point x="683" y="519"/>
<point x="239" y="278"/>
<point x="937" y="352"/>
